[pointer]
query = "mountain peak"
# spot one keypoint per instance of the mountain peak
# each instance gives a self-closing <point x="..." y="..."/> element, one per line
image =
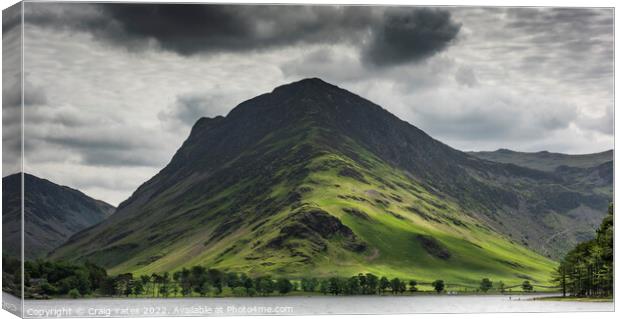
<point x="306" y="84"/>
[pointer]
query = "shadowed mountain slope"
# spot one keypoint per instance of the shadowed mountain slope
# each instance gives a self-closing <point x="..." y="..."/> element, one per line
<point x="52" y="213"/>
<point x="546" y="161"/>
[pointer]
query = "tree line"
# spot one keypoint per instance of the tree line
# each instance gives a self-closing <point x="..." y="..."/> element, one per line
<point x="46" y="279"/>
<point x="588" y="269"/>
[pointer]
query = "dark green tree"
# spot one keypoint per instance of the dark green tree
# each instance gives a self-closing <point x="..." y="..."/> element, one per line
<point x="248" y="283"/>
<point x="138" y="288"/>
<point x="395" y="285"/>
<point x="485" y="285"/>
<point x="145" y="280"/>
<point x="264" y="285"/>
<point x="501" y="287"/>
<point x="384" y="284"/>
<point x="527" y="286"/>
<point x="284" y="286"/>
<point x="439" y="285"/>
<point x="324" y="286"/>
<point x="372" y="283"/>
<point x="233" y="280"/>
<point x="335" y="286"/>
<point x="309" y="284"/>
<point x="353" y="286"/>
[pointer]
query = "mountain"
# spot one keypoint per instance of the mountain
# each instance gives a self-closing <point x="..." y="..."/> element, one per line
<point x="311" y="179"/>
<point x="588" y="172"/>
<point x="546" y="161"/>
<point x="52" y="213"/>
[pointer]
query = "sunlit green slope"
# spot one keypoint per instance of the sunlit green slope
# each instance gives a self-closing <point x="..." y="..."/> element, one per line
<point x="311" y="180"/>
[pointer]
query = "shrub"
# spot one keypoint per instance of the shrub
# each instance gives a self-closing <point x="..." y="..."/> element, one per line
<point x="74" y="293"/>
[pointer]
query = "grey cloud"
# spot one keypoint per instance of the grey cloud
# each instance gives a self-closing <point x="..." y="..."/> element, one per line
<point x="12" y="95"/>
<point x="466" y="76"/>
<point x="189" y="107"/>
<point x="411" y="36"/>
<point x="384" y="37"/>
<point x="332" y="64"/>
<point x="11" y="17"/>
<point x="86" y="141"/>
<point x="102" y="147"/>
<point x="11" y="91"/>
<point x="501" y="83"/>
<point x="491" y="114"/>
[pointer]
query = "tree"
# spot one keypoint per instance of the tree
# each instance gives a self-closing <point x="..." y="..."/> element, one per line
<point x="216" y="279"/>
<point x="156" y="280"/>
<point x="49" y="289"/>
<point x="284" y="286"/>
<point x="561" y="277"/>
<point x="96" y="275"/>
<point x="123" y="284"/>
<point x="439" y="285"/>
<point x="334" y="286"/>
<point x="403" y="287"/>
<point x="247" y="283"/>
<point x="353" y="286"/>
<point x="412" y="285"/>
<point x="239" y="291"/>
<point x="526" y="286"/>
<point x="138" y="288"/>
<point x="501" y="287"/>
<point x="188" y="280"/>
<point x="309" y="284"/>
<point x="108" y="287"/>
<point x="264" y="285"/>
<point x="74" y="293"/>
<point x="485" y="285"/>
<point x="587" y="270"/>
<point x="372" y="283"/>
<point x="363" y="282"/>
<point x="145" y="280"/>
<point x="395" y="285"/>
<point x="324" y="286"/>
<point x="204" y="289"/>
<point x="232" y="280"/>
<point x="384" y="283"/>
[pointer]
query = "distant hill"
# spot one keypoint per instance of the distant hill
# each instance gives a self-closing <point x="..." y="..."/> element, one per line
<point x="52" y="213"/>
<point x="586" y="172"/>
<point x="546" y="161"/>
<point x="313" y="180"/>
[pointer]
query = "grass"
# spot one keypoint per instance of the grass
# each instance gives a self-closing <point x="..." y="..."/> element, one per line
<point x="399" y="209"/>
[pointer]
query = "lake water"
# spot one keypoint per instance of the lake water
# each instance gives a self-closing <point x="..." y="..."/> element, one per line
<point x="112" y="307"/>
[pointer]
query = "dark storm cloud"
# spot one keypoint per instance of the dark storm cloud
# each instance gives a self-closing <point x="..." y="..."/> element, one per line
<point x="383" y="37"/>
<point x="411" y="36"/>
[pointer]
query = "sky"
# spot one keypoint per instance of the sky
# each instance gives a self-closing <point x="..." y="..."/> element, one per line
<point x="112" y="90"/>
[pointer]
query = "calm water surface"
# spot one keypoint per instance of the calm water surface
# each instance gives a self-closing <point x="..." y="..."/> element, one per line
<point x="111" y="307"/>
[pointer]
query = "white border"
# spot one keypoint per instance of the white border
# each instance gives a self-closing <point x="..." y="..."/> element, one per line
<point x="512" y="3"/>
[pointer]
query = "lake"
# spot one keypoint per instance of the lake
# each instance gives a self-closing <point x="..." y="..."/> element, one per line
<point x="295" y="305"/>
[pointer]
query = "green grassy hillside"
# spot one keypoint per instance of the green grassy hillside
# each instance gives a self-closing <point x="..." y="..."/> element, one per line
<point x="334" y="216"/>
<point x="312" y="180"/>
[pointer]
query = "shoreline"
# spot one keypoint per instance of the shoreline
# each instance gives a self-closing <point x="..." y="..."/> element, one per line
<point x="575" y="299"/>
<point x="525" y="296"/>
